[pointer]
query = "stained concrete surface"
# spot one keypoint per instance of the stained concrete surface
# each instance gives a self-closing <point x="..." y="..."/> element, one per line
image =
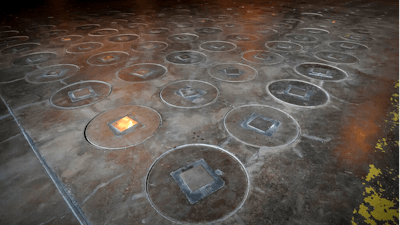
<point x="321" y="177"/>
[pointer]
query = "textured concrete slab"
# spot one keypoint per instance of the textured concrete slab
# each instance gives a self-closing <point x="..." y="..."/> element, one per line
<point x="205" y="69"/>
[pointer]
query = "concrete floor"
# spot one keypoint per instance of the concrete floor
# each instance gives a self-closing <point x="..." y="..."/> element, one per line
<point x="201" y="112"/>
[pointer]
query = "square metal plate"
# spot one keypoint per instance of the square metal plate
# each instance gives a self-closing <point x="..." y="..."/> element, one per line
<point x="298" y="92"/>
<point x="190" y="93"/>
<point x="320" y="72"/>
<point x="81" y="94"/>
<point x="261" y="124"/>
<point x="197" y="180"/>
<point x="124" y="125"/>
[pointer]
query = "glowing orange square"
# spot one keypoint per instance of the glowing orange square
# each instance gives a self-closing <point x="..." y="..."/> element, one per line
<point x="66" y="39"/>
<point x="124" y="123"/>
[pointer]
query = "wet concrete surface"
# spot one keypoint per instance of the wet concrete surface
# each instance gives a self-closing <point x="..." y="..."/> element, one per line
<point x="297" y="94"/>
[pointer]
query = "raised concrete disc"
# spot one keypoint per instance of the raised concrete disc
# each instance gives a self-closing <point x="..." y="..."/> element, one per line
<point x="84" y="47"/>
<point x="124" y="38"/>
<point x="297" y="93"/>
<point x="123" y="127"/>
<point x="283" y="46"/>
<point x="320" y="71"/>
<point x="149" y="46"/>
<point x="107" y="58"/>
<point x="218" y="46"/>
<point x="263" y="57"/>
<point x="20" y="48"/>
<point x="301" y="38"/>
<point x="35" y="58"/>
<point x="242" y="37"/>
<point x="336" y="57"/>
<point x="51" y="73"/>
<point x="142" y="72"/>
<point x="347" y="46"/>
<point x="261" y="125"/>
<point x="232" y="72"/>
<point x="185" y="57"/>
<point x="184" y="37"/>
<point x="169" y="182"/>
<point x="103" y="32"/>
<point x="189" y="94"/>
<point x="80" y="94"/>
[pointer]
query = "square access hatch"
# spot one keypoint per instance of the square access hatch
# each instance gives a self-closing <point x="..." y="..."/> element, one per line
<point x="81" y="94"/>
<point x="261" y="124"/>
<point x="197" y="180"/>
<point x="298" y="92"/>
<point x="124" y="125"/>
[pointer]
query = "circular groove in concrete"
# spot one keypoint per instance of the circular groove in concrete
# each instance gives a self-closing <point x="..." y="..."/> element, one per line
<point x="242" y="37"/>
<point x="123" y="38"/>
<point x="35" y="58"/>
<point x="80" y="94"/>
<point x="314" y="31"/>
<point x="298" y="93"/>
<point x="208" y="30"/>
<point x="149" y="46"/>
<point x="172" y="203"/>
<point x="87" y="27"/>
<point x="107" y="58"/>
<point x="347" y="46"/>
<point x="156" y="30"/>
<point x="232" y="72"/>
<point x="103" y="32"/>
<point x="301" y="38"/>
<point x="68" y="38"/>
<point x="52" y="33"/>
<point x="84" y="47"/>
<point x="261" y="126"/>
<point x="189" y="94"/>
<point x="8" y="33"/>
<point x="185" y="57"/>
<point x="267" y="31"/>
<point x="336" y="57"/>
<point x="12" y="40"/>
<point x="218" y="46"/>
<point x="51" y="73"/>
<point x="183" y="37"/>
<point x="142" y="72"/>
<point x="320" y="71"/>
<point x="123" y="127"/>
<point x="20" y="48"/>
<point x="283" y="46"/>
<point x="354" y="37"/>
<point x="40" y="28"/>
<point x="262" y="57"/>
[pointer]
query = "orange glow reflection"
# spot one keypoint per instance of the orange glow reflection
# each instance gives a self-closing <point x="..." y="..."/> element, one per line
<point x="124" y="123"/>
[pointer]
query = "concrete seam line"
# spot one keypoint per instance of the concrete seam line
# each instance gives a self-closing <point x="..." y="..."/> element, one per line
<point x="72" y="204"/>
